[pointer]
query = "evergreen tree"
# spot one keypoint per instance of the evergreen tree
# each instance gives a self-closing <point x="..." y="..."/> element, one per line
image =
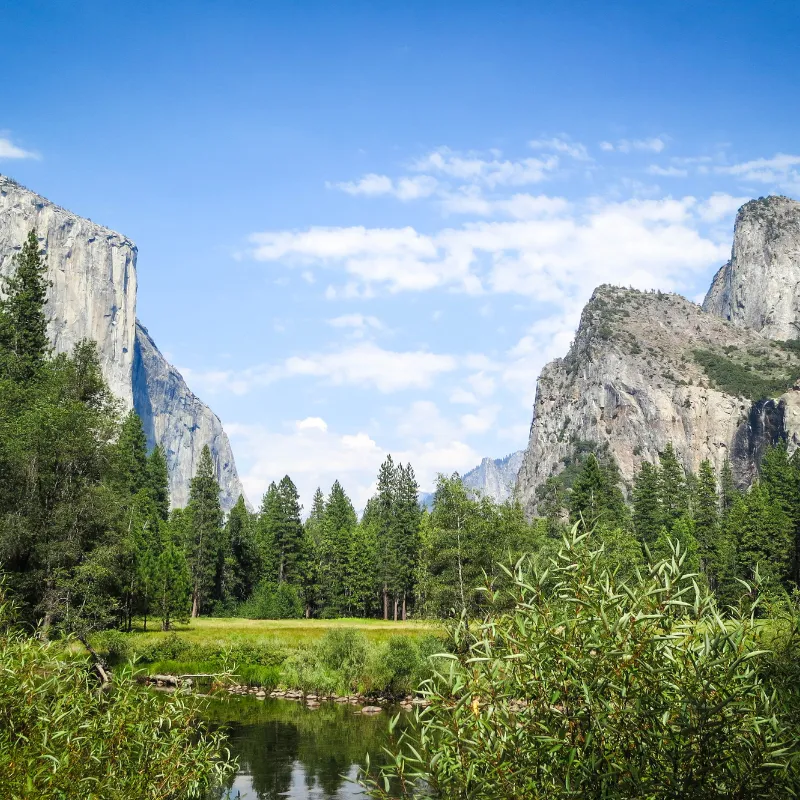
<point x="728" y="490"/>
<point x="386" y="530"/>
<point x="338" y="523"/>
<point x="706" y="516"/>
<point x="131" y="468"/>
<point x="243" y="567"/>
<point x="647" y="511"/>
<point x="407" y="518"/>
<point x="596" y="496"/>
<point x="289" y="533"/>
<point x="269" y="521"/>
<point x="24" y="346"/>
<point x="313" y="589"/>
<point x="158" y="481"/>
<point x="171" y="580"/>
<point x="673" y="490"/>
<point x="204" y="545"/>
<point x="764" y="536"/>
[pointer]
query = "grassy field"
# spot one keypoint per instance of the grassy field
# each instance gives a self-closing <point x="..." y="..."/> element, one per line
<point x="284" y="632"/>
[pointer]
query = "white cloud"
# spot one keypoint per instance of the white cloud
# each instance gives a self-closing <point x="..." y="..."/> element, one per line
<point x="463" y="397"/>
<point x="719" y="206"/>
<point x="482" y="384"/>
<point x="564" y="252"/>
<point x="312" y="423"/>
<point x="369" y="365"/>
<point x="652" y="145"/>
<point x="9" y="150"/>
<point x="782" y="170"/>
<point x="667" y="172"/>
<point x="574" y="150"/>
<point x="492" y="173"/>
<point x="408" y="188"/>
<point x="359" y="322"/>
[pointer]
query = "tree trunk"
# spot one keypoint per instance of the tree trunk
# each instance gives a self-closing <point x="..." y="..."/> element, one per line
<point x="404" y="607"/>
<point x="385" y="602"/>
<point x="195" y="606"/>
<point x="395" y="608"/>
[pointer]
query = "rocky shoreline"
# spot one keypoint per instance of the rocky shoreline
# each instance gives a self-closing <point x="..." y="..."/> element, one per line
<point x="366" y="704"/>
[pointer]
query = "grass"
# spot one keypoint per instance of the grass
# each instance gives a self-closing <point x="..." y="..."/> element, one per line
<point x="289" y="633"/>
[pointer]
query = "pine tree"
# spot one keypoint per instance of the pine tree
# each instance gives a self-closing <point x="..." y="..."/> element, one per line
<point x="158" y="481"/>
<point x="24" y="345"/>
<point x="408" y="515"/>
<point x="647" y="512"/>
<point x="706" y="506"/>
<point x="764" y="536"/>
<point x="289" y="535"/>
<point x="204" y="546"/>
<point x="728" y="490"/>
<point x="242" y="561"/>
<point x="269" y="521"/>
<point x="596" y="496"/>
<point x="171" y="580"/>
<point x="131" y="466"/>
<point x="386" y="531"/>
<point x="674" y="494"/>
<point x="313" y="588"/>
<point x="338" y="523"/>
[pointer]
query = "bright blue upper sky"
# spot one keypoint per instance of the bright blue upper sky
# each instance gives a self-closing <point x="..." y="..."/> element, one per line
<point x="364" y="227"/>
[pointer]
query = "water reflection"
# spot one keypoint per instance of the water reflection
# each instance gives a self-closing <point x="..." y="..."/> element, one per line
<point x="286" y="750"/>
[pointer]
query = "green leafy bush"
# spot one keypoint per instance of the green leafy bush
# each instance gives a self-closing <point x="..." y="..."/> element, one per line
<point x="114" y="645"/>
<point x="596" y="687"/>
<point x="62" y="736"/>
<point x="272" y="601"/>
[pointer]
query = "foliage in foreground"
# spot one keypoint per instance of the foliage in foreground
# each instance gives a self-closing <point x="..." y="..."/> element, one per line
<point x="62" y="735"/>
<point x="593" y="687"/>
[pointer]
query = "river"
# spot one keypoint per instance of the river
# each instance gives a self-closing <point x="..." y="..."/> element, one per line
<point x="286" y="750"/>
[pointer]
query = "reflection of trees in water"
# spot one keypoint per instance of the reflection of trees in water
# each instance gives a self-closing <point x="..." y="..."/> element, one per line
<point x="270" y="736"/>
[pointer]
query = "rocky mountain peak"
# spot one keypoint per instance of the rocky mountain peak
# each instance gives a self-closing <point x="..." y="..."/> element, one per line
<point x="759" y="288"/>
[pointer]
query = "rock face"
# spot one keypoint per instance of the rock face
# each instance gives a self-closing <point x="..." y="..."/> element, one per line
<point x="495" y="478"/>
<point x="93" y="296"/>
<point x="759" y="288"/>
<point x="632" y="381"/>
<point x="647" y="369"/>
<point x="176" y="419"/>
<point x="93" y="272"/>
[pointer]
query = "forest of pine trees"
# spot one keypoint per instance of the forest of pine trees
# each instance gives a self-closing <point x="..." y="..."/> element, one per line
<point x="88" y="541"/>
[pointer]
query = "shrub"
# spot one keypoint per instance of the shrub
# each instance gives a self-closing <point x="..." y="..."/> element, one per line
<point x="273" y="601"/>
<point x="114" y="645"/>
<point x="595" y="687"/>
<point x="61" y="737"/>
<point x="344" y="651"/>
<point x="403" y="663"/>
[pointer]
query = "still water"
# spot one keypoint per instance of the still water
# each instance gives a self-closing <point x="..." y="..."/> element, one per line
<point x="286" y="750"/>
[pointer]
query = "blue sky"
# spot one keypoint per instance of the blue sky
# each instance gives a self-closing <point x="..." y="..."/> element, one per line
<point x="364" y="227"/>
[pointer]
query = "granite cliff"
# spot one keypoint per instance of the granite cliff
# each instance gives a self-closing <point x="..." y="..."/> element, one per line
<point x="494" y="477"/>
<point x="646" y="369"/>
<point x="93" y="296"/>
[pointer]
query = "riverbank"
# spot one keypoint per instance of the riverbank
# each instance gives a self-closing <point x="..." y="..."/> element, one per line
<point x="378" y="660"/>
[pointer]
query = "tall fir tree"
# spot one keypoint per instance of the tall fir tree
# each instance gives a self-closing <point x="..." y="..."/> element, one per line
<point x="24" y="346"/>
<point x="131" y="468"/>
<point x="158" y="481"/>
<point x="673" y="490"/>
<point x="596" y="496"/>
<point x="648" y="517"/>
<point x="706" y="506"/>
<point x="243" y="566"/>
<point x="289" y="535"/>
<point x="338" y="523"/>
<point x="204" y="545"/>
<point x="386" y="530"/>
